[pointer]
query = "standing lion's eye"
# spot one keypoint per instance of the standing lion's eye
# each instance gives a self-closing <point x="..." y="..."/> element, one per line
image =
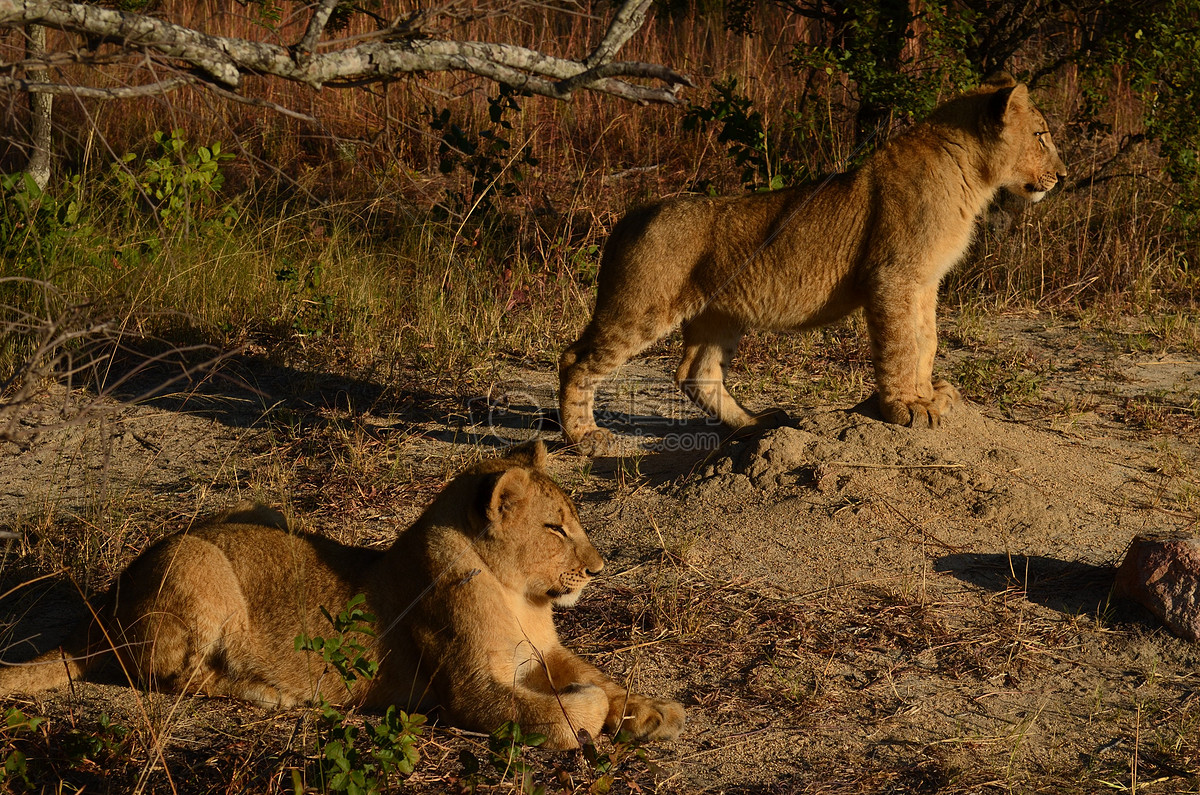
<point x="557" y="528"/>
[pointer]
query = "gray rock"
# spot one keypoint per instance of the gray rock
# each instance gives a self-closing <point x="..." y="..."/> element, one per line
<point x="1162" y="573"/>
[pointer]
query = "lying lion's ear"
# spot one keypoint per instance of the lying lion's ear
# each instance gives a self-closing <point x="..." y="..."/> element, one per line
<point x="1001" y="79"/>
<point x="503" y="494"/>
<point x="530" y="454"/>
<point x="1004" y="100"/>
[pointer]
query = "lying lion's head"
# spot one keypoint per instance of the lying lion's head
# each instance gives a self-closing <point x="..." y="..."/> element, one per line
<point x="528" y="530"/>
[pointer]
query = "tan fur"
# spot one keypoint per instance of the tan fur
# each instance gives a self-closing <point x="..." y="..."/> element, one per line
<point x="880" y="238"/>
<point x="463" y="601"/>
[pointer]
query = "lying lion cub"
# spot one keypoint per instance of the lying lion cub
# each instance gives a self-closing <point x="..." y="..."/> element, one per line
<point x="463" y="601"/>
<point x="880" y="237"/>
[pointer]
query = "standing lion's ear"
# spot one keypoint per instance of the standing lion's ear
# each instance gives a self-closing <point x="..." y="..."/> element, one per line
<point x="501" y="495"/>
<point x="530" y="454"/>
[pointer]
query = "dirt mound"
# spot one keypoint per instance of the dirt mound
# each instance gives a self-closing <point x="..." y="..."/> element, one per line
<point x="976" y="485"/>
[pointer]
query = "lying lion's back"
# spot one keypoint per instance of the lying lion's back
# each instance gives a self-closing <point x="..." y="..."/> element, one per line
<point x="284" y="576"/>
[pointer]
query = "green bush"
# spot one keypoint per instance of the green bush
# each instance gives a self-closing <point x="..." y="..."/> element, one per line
<point x="351" y="759"/>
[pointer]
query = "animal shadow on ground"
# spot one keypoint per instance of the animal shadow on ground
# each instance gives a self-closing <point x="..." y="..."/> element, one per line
<point x="36" y="613"/>
<point x="656" y="451"/>
<point x="244" y="390"/>
<point x="240" y="389"/>
<point x="1070" y="587"/>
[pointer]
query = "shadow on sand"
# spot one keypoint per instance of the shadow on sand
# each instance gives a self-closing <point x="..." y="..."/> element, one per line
<point x="36" y="613"/>
<point x="1070" y="587"/>
<point x="243" y="390"/>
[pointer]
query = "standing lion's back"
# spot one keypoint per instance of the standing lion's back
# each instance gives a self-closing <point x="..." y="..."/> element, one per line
<point x="771" y="259"/>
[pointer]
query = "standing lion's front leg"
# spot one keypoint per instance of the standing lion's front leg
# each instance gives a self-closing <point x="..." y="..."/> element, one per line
<point x="944" y="396"/>
<point x="902" y="322"/>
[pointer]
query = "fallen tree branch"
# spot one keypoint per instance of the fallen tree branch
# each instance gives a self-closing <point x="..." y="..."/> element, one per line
<point x="224" y="61"/>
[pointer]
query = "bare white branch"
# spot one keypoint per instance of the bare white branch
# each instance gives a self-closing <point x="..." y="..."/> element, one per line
<point x="119" y="92"/>
<point x="628" y="21"/>
<point x="316" y="26"/>
<point x="40" y="109"/>
<point x="223" y="61"/>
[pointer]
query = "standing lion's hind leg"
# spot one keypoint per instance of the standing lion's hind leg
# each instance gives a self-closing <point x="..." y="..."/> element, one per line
<point x="599" y="352"/>
<point x="708" y="348"/>
<point x="576" y="393"/>
<point x="701" y="376"/>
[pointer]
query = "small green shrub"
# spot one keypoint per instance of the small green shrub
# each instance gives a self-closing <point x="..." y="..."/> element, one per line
<point x="181" y="184"/>
<point x="17" y="727"/>
<point x="355" y="760"/>
<point x="313" y="312"/>
<point x="40" y="229"/>
<point x="749" y="142"/>
<point x="99" y="745"/>
<point x="485" y="155"/>
<point x="1160" y="51"/>
<point x="506" y="754"/>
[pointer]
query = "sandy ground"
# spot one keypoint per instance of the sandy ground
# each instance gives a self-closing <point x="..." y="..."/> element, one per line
<point x="841" y="605"/>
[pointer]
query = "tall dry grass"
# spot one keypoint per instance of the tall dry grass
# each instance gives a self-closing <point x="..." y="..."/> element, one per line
<point x="346" y="242"/>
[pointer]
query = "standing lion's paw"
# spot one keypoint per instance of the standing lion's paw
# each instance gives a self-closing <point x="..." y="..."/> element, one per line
<point x="597" y="441"/>
<point x="759" y="423"/>
<point x="915" y="413"/>
<point x="653" y="718"/>
<point x="925" y="410"/>
<point x="771" y="418"/>
<point x="946" y="395"/>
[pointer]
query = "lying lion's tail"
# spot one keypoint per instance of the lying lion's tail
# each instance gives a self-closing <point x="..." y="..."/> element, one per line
<point x="52" y="669"/>
<point x="58" y="667"/>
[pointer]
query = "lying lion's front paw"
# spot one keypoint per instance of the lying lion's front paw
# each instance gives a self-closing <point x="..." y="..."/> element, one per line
<point x="653" y="718"/>
<point x="579" y="707"/>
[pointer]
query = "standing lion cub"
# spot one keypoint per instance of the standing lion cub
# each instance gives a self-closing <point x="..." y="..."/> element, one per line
<point x="462" y="601"/>
<point x="880" y="237"/>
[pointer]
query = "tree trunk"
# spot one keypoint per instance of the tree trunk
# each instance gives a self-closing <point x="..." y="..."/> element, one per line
<point x="40" y="106"/>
